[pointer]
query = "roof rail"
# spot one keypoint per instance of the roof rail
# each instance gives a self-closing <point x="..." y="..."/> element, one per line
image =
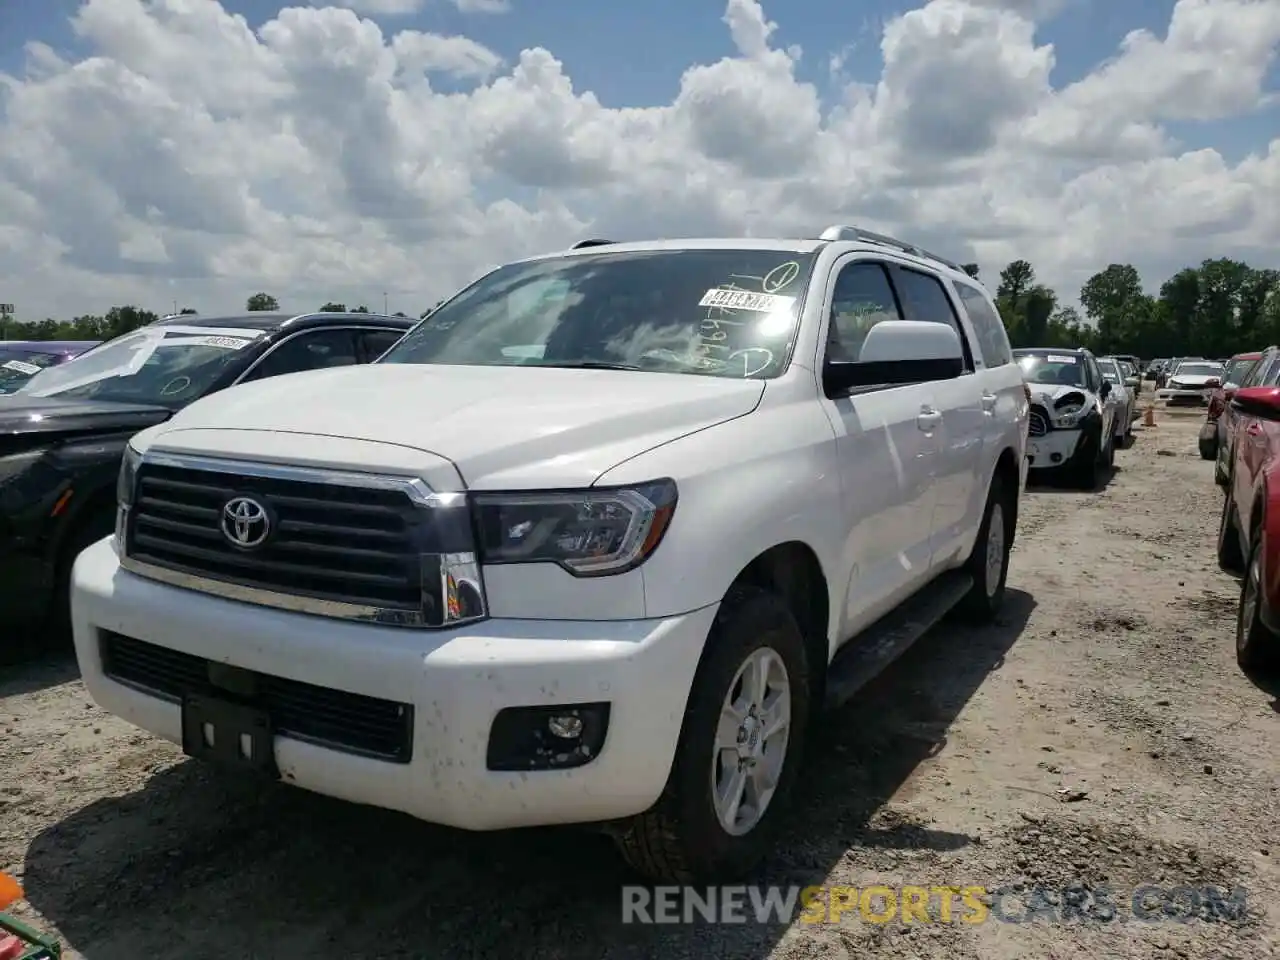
<point x="590" y="243"/>
<point x="847" y="232"/>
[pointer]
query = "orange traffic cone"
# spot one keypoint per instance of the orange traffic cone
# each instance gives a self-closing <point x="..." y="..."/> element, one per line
<point x="10" y="890"/>
<point x="1149" y="418"/>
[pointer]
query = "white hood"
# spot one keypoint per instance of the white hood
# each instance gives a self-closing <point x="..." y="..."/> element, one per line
<point x="502" y="427"/>
<point x="1194" y="379"/>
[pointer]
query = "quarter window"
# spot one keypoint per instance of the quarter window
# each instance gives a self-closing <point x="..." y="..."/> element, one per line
<point x="308" y="351"/>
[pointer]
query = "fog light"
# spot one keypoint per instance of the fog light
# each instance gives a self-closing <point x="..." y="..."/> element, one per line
<point x="554" y="737"/>
<point x="565" y="726"/>
<point x="1055" y="457"/>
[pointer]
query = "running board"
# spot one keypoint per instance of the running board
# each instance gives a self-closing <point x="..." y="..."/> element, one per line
<point x="869" y="653"/>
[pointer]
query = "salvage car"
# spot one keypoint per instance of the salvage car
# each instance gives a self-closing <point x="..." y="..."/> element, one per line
<point x="1249" y="531"/>
<point x="1073" y="413"/>
<point x="1190" y="382"/>
<point x="593" y="544"/>
<point x="20" y="360"/>
<point x="1126" y="401"/>
<point x="1236" y="372"/>
<point x="63" y="432"/>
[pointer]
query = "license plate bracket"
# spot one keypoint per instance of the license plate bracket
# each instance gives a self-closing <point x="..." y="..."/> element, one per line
<point x="229" y="733"/>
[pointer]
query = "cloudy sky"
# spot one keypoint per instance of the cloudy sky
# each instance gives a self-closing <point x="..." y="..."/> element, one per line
<point x="196" y="151"/>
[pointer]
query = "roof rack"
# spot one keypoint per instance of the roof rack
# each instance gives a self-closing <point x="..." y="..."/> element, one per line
<point x="590" y="243"/>
<point x="847" y="232"/>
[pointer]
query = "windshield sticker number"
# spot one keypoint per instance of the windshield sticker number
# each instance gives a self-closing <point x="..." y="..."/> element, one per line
<point x="726" y="299"/>
<point x="30" y="369"/>
<point x="1058" y="358"/>
<point x="229" y="343"/>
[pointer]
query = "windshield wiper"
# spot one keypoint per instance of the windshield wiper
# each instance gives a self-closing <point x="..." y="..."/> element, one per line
<point x="587" y="365"/>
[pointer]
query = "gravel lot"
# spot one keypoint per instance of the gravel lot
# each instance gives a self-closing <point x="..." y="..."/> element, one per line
<point x="1101" y="734"/>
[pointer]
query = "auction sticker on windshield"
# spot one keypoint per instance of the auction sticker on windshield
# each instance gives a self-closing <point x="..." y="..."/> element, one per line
<point x="30" y="369"/>
<point x="1062" y="358"/>
<point x="231" y="343"/>
<point x="745" y="300"/>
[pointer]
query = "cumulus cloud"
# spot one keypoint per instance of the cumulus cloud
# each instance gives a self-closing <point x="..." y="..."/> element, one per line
<point x="188" y="155"/>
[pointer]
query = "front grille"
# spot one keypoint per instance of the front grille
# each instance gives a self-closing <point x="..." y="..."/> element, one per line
<point x="331" y="542"/>
<point x="349" y="722"/>
<point x="1039" y="424"/>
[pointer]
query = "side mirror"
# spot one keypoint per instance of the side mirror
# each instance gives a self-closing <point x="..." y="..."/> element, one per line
<point x="1261" y="402"/>
<point x="1106" y="389"/>
<point x="898" y="352"/>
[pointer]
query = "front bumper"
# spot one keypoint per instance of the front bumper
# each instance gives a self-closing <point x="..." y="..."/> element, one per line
<point x="1053" y="450"/>
<point x="456" y="682"/>
<point x="1170" y="395"/>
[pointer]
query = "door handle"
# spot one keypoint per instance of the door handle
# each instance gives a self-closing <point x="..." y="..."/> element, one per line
<point x="928" y="419"/>
<point x="989" y="402"/>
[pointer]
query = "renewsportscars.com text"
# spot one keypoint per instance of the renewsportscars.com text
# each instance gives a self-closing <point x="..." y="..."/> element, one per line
<point x="969" y="904"/>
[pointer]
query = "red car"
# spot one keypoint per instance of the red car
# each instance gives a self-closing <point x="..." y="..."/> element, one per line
<point x="1218" y="432"/>
<point x="1249" y="532"/>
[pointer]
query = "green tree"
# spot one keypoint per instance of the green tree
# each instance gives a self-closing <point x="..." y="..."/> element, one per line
<point x="186" y="312"/>
<point x="261" y="302"/>
<point x="332" y="307"/>
<point x="360" y="309"/>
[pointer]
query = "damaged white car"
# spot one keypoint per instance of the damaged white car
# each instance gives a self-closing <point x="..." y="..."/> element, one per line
<point x="1073" y="413"/>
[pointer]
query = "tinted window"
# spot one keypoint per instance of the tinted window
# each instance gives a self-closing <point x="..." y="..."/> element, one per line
<point x="1237" y="370"/>
<point x="308" y="351"/>
<point x="17" y="367"/>
<point x="861" y="299"/>
<point x="717" y="312"/>
<point x="378" y="342"/>
<point x="924" y="298"/>
<point x="992" y="338"/>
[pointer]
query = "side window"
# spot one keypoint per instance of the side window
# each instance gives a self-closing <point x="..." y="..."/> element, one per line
<point x="1272" y="373"/>
<point x="993" y="340"/>
<point x="924" y="298"/>
<point x="375" y="343"/>
<point x="308" y="351"/>
<point x="862" y="298"/>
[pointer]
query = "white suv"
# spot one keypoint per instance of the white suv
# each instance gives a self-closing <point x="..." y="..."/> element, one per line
<point x="591" y="544"/>
<point x="1075" y="413"/>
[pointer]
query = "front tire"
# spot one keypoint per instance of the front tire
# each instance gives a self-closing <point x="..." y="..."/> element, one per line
<point x="1257" y="647"/>
<point x="739" y="750"/>
<point x="988" y="564"/>
<point x="91" y="529"/>
<point x="1230" y="552"/>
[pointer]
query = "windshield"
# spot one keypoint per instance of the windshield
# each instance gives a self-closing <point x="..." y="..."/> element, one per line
<point x="723" y="313"/>
<point x="169" y="366"/>
<point x="1237" y="370"/>
<point x="1110" y="371"/>
<point x="19" y="366"/>
<point x="1061" y="369"/>
<point x="1198" y="370"/>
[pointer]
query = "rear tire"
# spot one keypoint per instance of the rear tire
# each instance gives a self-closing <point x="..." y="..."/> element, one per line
<point x="988" y="564"/>
<point x="1257" y="647"/>
<point x="683" y="838"/>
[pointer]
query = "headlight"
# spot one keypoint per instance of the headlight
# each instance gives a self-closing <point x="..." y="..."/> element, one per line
<point x="592" y="532"/>
<point x="1069" y="415"/>
<point x="15" y="463"/>
<point x="126" y="481"/>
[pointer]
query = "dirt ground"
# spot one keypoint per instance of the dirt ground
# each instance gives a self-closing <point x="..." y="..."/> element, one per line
<point x="1101" y="734"/>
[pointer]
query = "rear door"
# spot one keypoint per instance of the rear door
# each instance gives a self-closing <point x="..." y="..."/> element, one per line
<point x="374" y="342"/>
<point x="964" y="417"/>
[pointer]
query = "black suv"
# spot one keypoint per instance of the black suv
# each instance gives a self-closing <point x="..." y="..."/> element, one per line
<point x="63" y="433"/>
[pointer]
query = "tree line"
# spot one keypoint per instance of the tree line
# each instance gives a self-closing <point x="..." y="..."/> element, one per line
<point x="1218" y="308"/>
<point x="121" y="320"/>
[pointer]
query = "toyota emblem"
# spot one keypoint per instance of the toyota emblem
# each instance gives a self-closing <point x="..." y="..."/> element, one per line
<point x="245" y="522"/>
